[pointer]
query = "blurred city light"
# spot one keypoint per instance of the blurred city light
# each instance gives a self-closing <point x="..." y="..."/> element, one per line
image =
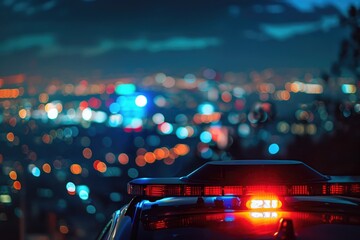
<point x="274" y="148"/>
<point x="348" y="88"/>
<point x="5" y="199"/>
<point x="206" y="108"/>
<point x="125" y="89"/>
<point x="141" y="101"/>
<point x="205" y="137"/>
<point x="83" y="192"/>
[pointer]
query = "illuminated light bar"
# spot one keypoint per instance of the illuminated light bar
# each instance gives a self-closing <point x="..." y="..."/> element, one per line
<point x="168" y="190"/>
<point x="337" y="189"/>
<point x="135" y="189"/>
<point x="233" y="190"/>
<point x="213" y="191"/>
<point x="193" y="191"/>
<point x="299" y="190"/>
<point x="355" y="188"/>
<point x="335" y="218"/>
<point x="264" y="189"/>
<point x="163" y="190"/>
<point x="348" y="189"/>
<point x="265" y="203"/>
<point x="324" y="189"/>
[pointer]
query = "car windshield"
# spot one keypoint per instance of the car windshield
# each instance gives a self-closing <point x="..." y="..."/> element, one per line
<point x="223" y="217"/>
<point x="249" y="225"/>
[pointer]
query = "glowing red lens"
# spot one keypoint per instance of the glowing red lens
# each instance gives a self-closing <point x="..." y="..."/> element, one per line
<point x="299" y="190"/>
<point x="355" y="188"/>
<point x="233" y="190"/>
<point x="337" y="189"/>
<point x="192" y="190"/>
<point x="264" y="189"/>
<point x="162" y="190"/>
<point x="213" y="190"/>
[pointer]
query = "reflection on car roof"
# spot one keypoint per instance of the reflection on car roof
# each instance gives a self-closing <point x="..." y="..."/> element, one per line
<point x="254" y="162"/>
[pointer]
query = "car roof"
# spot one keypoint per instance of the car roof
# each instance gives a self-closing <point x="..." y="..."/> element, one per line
<point x="255" y="172"/>
<point x="254" y="162"/>
<point x="237" y="172"/>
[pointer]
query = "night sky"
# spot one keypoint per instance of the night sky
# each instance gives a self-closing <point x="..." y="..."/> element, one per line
<point x="53" y="37"/>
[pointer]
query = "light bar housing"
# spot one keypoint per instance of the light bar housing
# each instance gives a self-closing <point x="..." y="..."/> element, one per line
<point x="173" y="190"/>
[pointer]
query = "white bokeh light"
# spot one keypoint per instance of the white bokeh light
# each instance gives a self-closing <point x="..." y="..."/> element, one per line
<point x="141" y="101"/>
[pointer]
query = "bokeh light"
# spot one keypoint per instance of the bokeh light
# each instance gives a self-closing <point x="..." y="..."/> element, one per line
<point x="205" y="137"/>
<point x="273" y="148"/>
<point x="75" y="169"/>
<point x="133" y="173"/>
<point x="141" y="101"/>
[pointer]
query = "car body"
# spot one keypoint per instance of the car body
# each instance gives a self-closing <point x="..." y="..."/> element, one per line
<point x="241" y="199"/>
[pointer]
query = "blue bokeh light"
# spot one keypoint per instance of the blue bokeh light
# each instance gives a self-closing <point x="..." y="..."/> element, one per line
<point x="83" y="192"/>
<point x="274" y="148"/>
<point x="115" y="196"/>
<point x="114" y="107"/>
<point x="206" y="108"/>
<point x="91" y="209"/>
<point x="35" y="171"/>
<point x="182" y="133"/>
<point x="206" y="153"/>
<point x="205" y="137"/>
<point x="133" y="173"/>
<point x="83" y="195"/>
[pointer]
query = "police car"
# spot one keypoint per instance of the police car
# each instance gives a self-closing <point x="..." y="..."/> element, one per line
<point x="241" y="199"/>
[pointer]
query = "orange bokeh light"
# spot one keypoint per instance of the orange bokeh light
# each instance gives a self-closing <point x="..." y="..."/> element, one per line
<point x="123" y="158"/>
<point x="10" y="137"/>
<point x="181" y="149"/>
<point x="87" y="153"/>
<point x="100" y="166"/>
<point x="75" y="169"/>
<point x="17" y="185"/>
<point x="159" y="153"/>
<point x="149" y="157"/>
<point x="13" y="175"/>
<point x="140" y="161"/>
<point x="46" y="168"/>
<point x="64" y="229"/>
<point x="22" y="113"/>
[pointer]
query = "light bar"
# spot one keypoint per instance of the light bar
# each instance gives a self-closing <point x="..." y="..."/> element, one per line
<point x="171" y="190"/>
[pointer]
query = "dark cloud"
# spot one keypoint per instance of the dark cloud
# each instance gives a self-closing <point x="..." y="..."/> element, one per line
<point x="156" y="35"/>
